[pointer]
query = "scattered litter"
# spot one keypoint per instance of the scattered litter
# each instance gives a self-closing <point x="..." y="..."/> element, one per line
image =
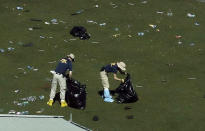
<point x="144" y="2"/>
<point x="16" y="91"/>
<point x="12" y="112"/>
<point x="116" y="35"/>
<point x="96" y="6"/>
<point x="102" y="24"/>
<point x="11" y="42"/>
<point x="116" y="29"/>
<point x="192" y="78"/>
<point x="192" y="44"/>
<point x="40" y="111"/>
<point x="42" y="37"/>
<point x="197" y="24"/>
<point x="95" y="42"/>
<point x="140" y="33"/>
<point x="2" y="50"/>
<point x="41" y="97"/>
<point x="22" y="113"/>
<point x="30" y="29"/>
<point x="190" y="15"/>
<point x="153" y="26"/>
<point x="54" y="21"/>
<point x="113" y="5"/>
<point x="131" y="4"/>
<point x="91" y="21"/>
<point x="129" y="35"/>
<point x="10" y="48"/>
<point x="73" y="39"/>
<point x="179" y="42"/>
<point x="19" y="8"/>
<point x="78" y="12"/>
<point x="47" y="23"/>
<point x="35" y="69"/>
<point x="159" y="12"/>
<point x="178" y="36"/>
<point x="41" y="50"/>
<point x="169" y="13"/>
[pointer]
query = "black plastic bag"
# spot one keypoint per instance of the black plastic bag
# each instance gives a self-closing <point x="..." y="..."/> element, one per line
<point x="81" y="32"/>
<point x="126" y="92"/>
<point x="75" y="94"/>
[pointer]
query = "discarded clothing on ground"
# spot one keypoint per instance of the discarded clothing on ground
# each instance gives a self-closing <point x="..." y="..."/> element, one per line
<point x="126" y="92"/>
<point x="79" y="31"/>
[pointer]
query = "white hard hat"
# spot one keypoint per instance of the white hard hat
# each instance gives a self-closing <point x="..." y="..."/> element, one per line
<point x="121" y="65"/>
<point x="72" y="56"/>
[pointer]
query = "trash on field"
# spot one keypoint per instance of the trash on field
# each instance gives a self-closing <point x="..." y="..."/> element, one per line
<point x="144" y="2"/>
<point x="131" y="4"/>
<point x="159" y="12"/>
<point x="42" y="37"/>
<point x="10" y="48"/>
<point x="169" y="13"/>
<point x="40" y="111"/>
<point x="102" y="24"/>
<point x="113" y="5"/>
<point x="116" y="29"/>
<point x="197" y="24"/>
<point x="16" y="91"/>
<point x="153" y="26"/>
<point x="54" y="21"/>
<point x="22" y="113"/>
<point x="139" y="86"/>
<point x="192" y="44"/>
<point x="41" y="97"/>
<point x="140" y="33"/>
<point x="12" y="112"/>
<point x="179" y="42"/>
<point x="191" y="78"/>
<point x="2" y="50"/>
<point x="116" y="35"/>
<point x="96" y="6"/>
<point x="95" y="42"/>
<point x="78" y="12"/>
<point x="19" y="8"/>
<point x="178" y="36"/>
<point x="91" y="21"/>
<point x="190" y="15"/>
<point x="30" y="28"/>
<point x="47" y="23"/>
<point x="50" y="62"/>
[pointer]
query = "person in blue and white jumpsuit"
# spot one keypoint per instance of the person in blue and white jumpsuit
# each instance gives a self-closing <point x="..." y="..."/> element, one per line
<point x="59" y="76"/>
<point x="111" y="68"/>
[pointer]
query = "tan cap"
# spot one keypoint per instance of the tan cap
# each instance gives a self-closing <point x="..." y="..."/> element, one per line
<point x="121" y="65"/>
<point x="72" y="56"/>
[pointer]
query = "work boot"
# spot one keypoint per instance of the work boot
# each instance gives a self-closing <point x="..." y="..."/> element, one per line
<point x="107" y="96"/>
<point x="63" y="103"/>
<point x="50" y="102"/>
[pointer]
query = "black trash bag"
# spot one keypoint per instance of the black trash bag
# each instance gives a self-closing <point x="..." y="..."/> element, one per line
<point x="75" y="94"/>
<point x="126" y="92"/>
<point x="81" y="32"/>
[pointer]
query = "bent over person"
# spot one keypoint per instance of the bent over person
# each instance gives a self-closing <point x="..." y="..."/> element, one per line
<point x="59" y="76"/>
<point x="111" y="68"/>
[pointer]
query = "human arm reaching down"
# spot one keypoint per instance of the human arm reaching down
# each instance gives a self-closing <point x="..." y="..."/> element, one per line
<point x="118" y="79"/>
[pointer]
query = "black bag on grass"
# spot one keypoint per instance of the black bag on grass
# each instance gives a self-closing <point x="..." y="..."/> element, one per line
<point x="126" y="92"/>
<point x="75" y="94"/>
<point x="81" y="32"/>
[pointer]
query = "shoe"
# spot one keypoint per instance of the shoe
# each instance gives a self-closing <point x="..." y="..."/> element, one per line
<point x="50" y="102"/>
<point x="63" y="103"/>
<point x="107" y="93"/>
<point x="108" y="100"/>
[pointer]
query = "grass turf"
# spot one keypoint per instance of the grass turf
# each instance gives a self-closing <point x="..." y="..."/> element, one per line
<point x="171" y="74"/>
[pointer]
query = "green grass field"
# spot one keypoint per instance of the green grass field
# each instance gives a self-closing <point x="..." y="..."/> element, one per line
<point x="168" y="76"/>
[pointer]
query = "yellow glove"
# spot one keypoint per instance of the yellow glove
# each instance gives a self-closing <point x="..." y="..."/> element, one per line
<point x="122" y="80"/>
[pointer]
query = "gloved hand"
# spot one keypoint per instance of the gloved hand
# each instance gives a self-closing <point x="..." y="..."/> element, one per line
<point x="122" y="80"/>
